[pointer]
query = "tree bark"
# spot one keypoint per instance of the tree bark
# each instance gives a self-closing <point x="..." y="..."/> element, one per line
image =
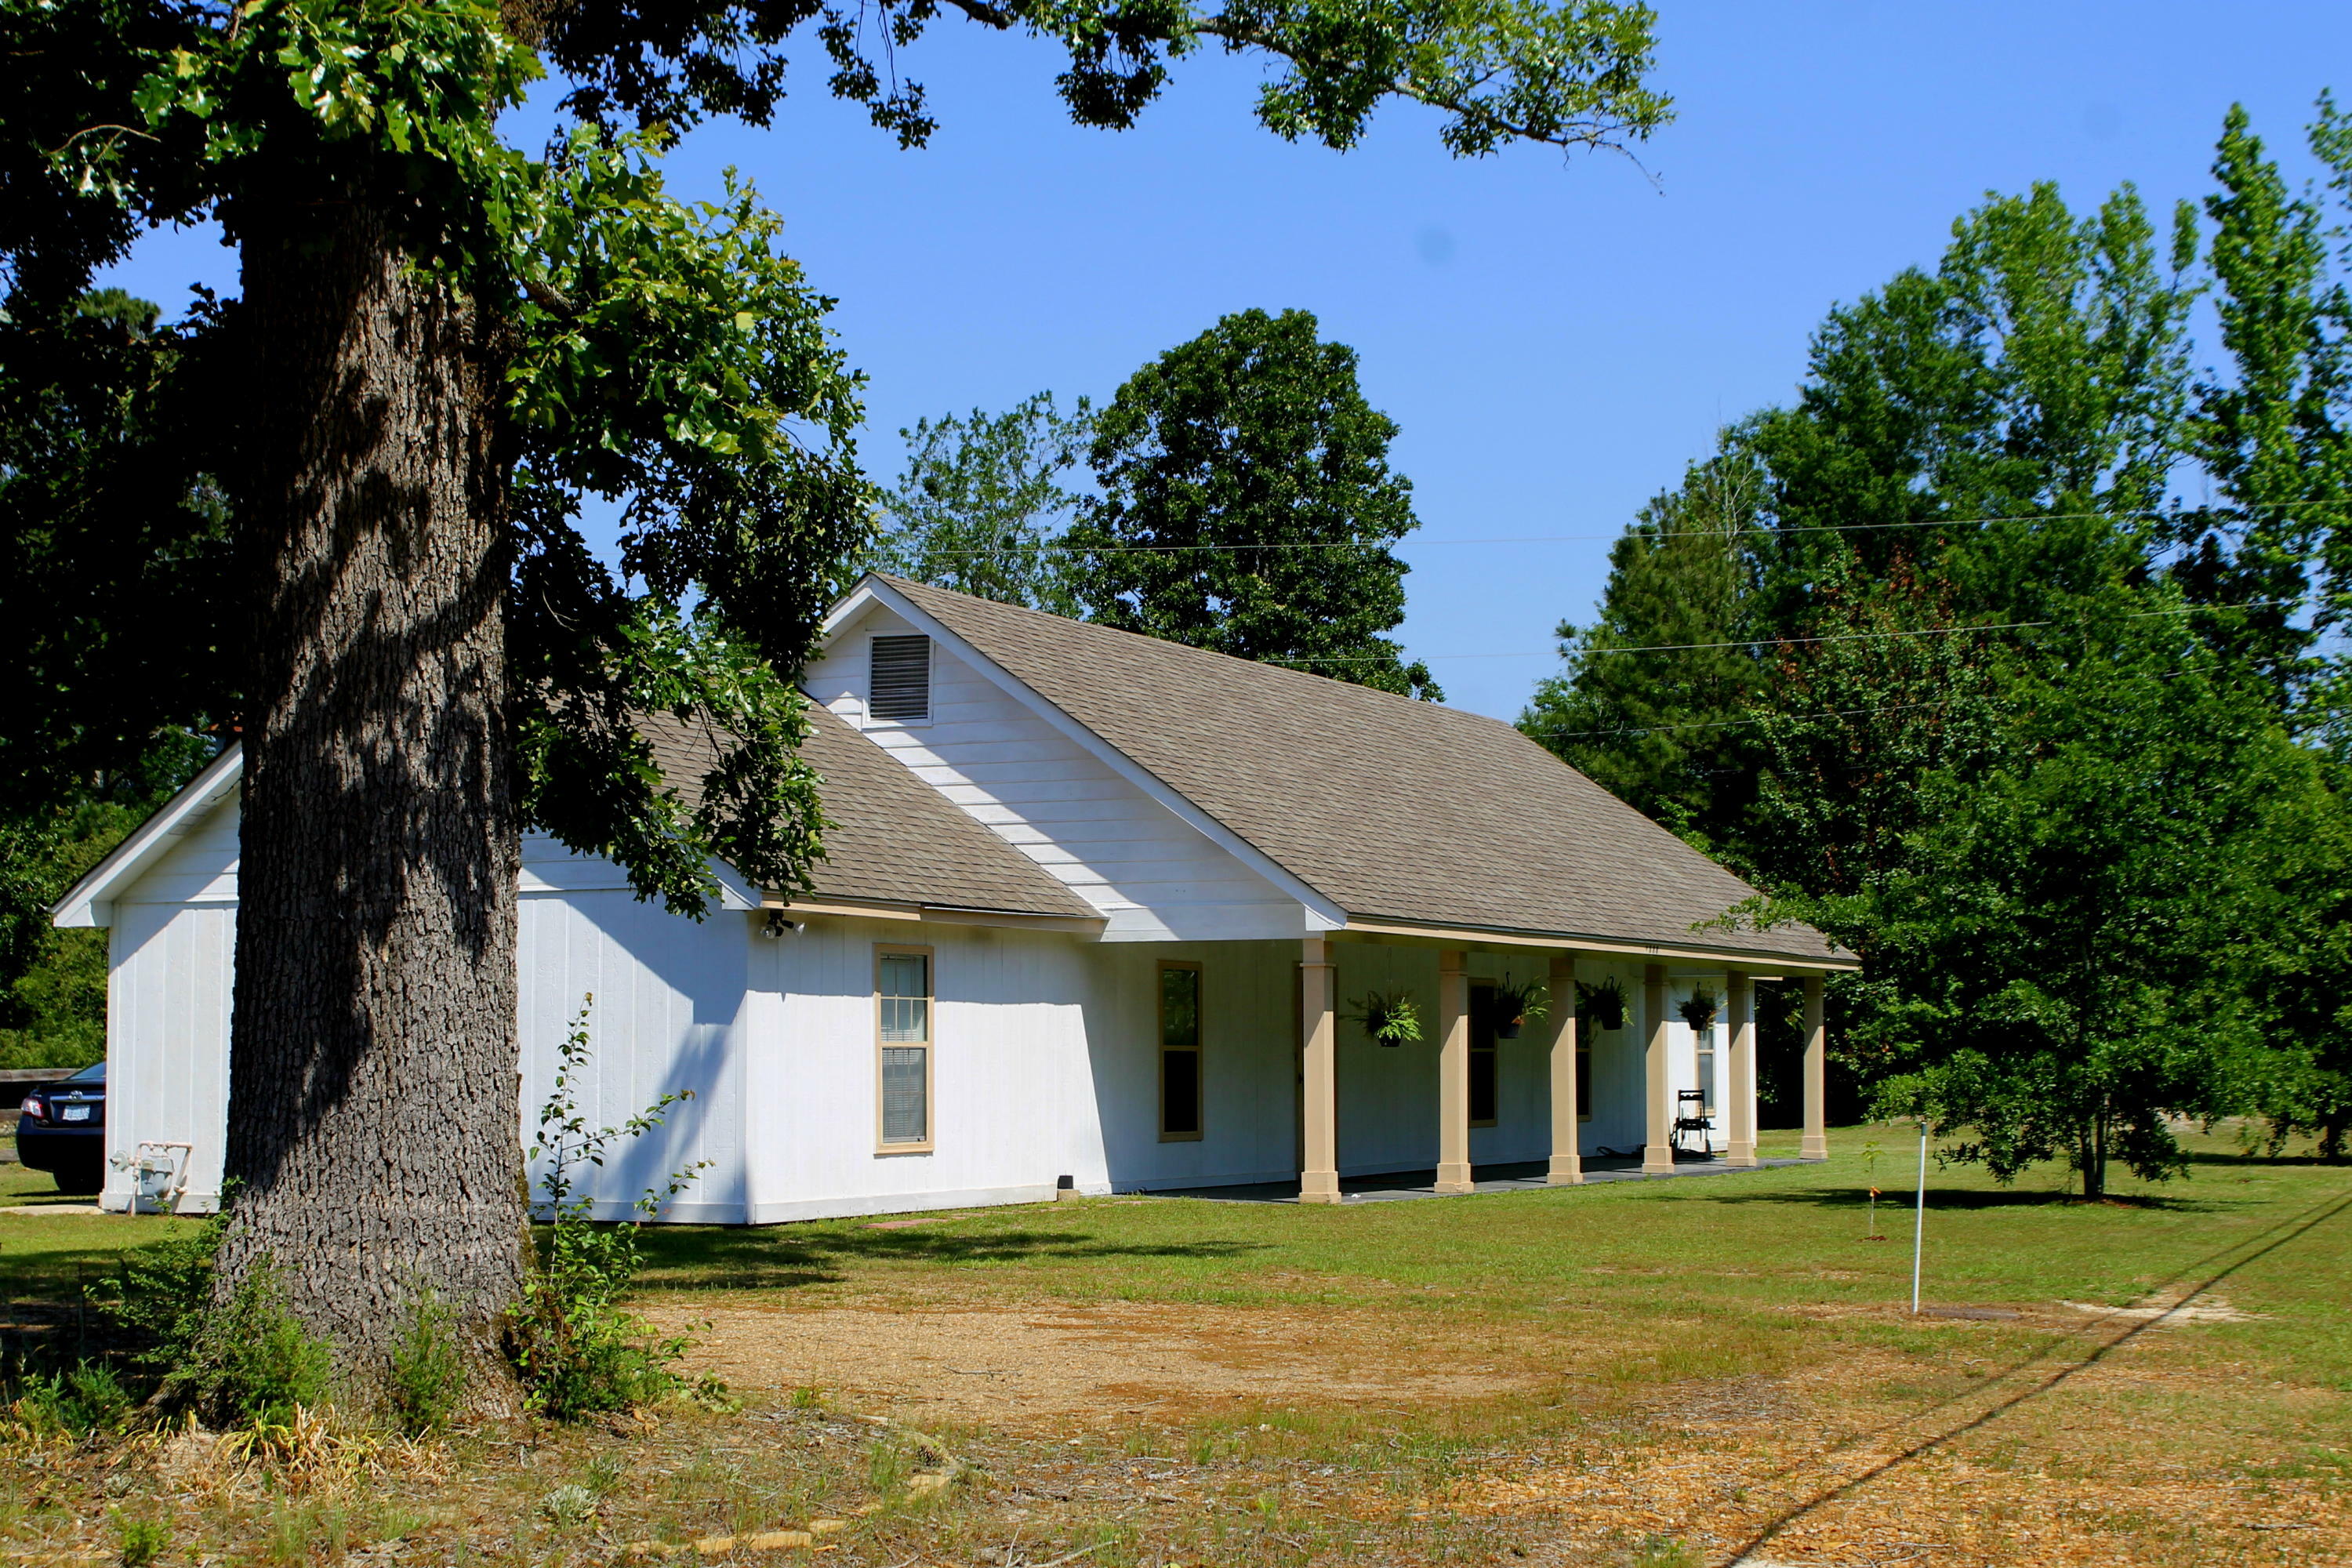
<point x="372" y="1136"/>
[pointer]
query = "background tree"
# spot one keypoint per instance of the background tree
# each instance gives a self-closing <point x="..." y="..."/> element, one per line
<point x="1981" y="665"/>
<point x="2052" y="956"/>
<point x="981" y="508"/>
<point x="441" y="347"/>
<point x="1666" y="729"/>
<point x="111" y="556"/>
<point x="2271" y="435"/>
<point x="1247" y="506"/>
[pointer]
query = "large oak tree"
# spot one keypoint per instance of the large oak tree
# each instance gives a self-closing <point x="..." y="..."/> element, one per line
<point x="440" y="347"/>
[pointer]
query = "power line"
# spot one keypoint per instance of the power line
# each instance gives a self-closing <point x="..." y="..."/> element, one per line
<point x="2172" y="674"/>
<point x="1793" y="642"/>
<point x="1772" y="530"/>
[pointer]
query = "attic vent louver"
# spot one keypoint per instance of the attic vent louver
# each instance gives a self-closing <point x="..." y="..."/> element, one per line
<point x="900" y="687"/>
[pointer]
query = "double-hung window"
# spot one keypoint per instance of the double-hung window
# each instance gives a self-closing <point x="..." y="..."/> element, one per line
<point x="1705" y="1041"/>
<point x="1180" y="1052"/>
<point x="903" y="1005"/>
<point x="1482" y="1056"/>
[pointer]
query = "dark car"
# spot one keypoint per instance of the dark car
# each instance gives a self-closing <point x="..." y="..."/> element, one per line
<point x="61" y="1129"/>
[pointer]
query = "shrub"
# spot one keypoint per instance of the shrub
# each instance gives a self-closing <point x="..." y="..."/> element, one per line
<point x="578" y="1351"/>
<point x="244" y="1362"/>
<point x="427" y="1381"/>
<point x="162" y="1297"/>
<point x="88" y="1401"/>
<point x="252" y="1363"/>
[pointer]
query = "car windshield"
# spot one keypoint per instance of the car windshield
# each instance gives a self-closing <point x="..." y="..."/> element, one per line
<point x="94" y="1073"/>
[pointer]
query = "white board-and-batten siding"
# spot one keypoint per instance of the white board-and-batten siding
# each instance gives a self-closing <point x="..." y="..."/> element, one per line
<point x="1154" y="877"/>
<point x="775" y="1038"/>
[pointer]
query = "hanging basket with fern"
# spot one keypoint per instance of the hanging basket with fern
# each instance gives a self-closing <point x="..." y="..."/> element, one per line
<point x="1698" y="1012"/>
<point x="1388" y="1020"/>
<point x="1517" y="1004"/>
<point x="1601" y="1007"/>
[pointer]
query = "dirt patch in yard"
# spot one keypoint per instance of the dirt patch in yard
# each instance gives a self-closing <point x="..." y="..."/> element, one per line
<point x="1057" y="1362"/>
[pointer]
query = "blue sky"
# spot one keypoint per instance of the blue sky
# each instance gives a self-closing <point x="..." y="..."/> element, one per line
<point x="1556" y="337"/>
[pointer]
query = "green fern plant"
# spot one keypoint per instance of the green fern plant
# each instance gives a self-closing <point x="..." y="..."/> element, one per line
<point x="1602" y="1005"/>
<point x="1388" y="1020"/>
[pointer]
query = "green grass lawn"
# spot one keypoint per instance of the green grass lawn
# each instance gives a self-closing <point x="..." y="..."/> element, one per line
<point x="46" y="1256"/>
<point x="2270" y="1236"/>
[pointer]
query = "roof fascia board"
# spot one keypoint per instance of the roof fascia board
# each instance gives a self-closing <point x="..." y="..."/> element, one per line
<point x="1110" y="756"/>
<point x="939" y="914"/>
<point x="91" y="901"/>
<point x="1475" y="937"/>
<point x="734" y="892"/>
<point x="842" y="613"/>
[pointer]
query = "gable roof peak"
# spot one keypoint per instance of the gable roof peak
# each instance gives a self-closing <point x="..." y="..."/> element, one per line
<point x="1390" y="807"/>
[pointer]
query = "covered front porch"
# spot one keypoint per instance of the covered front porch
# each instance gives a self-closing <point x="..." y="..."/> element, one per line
<point x="1259" y="1078"/>
<point x="1603" y="1107"/>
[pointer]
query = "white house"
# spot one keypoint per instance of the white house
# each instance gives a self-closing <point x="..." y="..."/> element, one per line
<point x="1097" y="914"/>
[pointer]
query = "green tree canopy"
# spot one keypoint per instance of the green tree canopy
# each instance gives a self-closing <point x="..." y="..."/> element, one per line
<point x="1247" y="506"/>
<point x="981" y="508"/>
<point x="1957" y="680"/>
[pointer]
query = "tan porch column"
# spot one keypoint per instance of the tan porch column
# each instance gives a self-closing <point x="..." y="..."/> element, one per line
<point x="1740" y="994"/>
<point x="1816" y="1145"/>
<point x="1657" y="1094"/>
<point x="1453" y="1074"/>
<point x="1567" y="1160"/>
<point x="1318" y="1087"/>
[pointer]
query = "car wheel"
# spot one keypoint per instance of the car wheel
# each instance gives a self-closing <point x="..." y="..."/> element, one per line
<point x="80" y="1177"/>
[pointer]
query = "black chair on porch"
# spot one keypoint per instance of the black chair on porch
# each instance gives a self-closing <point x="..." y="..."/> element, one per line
<point x="1691" y="1119"/>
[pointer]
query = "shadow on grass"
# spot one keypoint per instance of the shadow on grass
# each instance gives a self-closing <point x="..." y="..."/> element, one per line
<point x="716" y="1257"/>
<point x="1948" y="1199"/>
<point x="2241" y="1161"/>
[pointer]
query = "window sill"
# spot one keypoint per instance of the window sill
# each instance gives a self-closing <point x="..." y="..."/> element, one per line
<point x="1180" y="1137"/>
<point x="887" y="1150"/>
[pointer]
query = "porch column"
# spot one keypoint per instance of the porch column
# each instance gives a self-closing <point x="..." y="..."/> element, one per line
<point x="1453" y="1074"/>
<point x="1816" y="1145"/>
<point x="1318" y="1085"/>
<point x="1740" y="994"/>
<point x="1658" y="1147"/>
<point x="1567" y="1160"/>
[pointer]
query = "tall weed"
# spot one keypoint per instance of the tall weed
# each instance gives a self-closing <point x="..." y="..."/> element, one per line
<point x="579" y="1353"/>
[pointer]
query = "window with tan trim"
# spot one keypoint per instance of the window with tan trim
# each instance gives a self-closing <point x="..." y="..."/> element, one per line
<point x="903" y="1011"/>
<point x="1180" y="1052"/>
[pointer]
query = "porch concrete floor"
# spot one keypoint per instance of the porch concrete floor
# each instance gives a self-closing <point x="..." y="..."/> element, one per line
<point x="1394" y="1186"/>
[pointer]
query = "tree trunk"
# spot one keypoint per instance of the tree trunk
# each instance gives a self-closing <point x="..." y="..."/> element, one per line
<point x="2094" y="1160"/>
<point x="372" y="1135"/>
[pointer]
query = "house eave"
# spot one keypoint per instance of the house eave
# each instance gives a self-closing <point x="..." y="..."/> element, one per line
<point x="939" y="914"/>
<point x="91" y="901"/>
<point x="1761" y="964"/>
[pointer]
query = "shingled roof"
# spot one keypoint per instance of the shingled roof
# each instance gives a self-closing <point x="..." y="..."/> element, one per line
<point x="894" y="840"/>
<point x="1392" y="809"/>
